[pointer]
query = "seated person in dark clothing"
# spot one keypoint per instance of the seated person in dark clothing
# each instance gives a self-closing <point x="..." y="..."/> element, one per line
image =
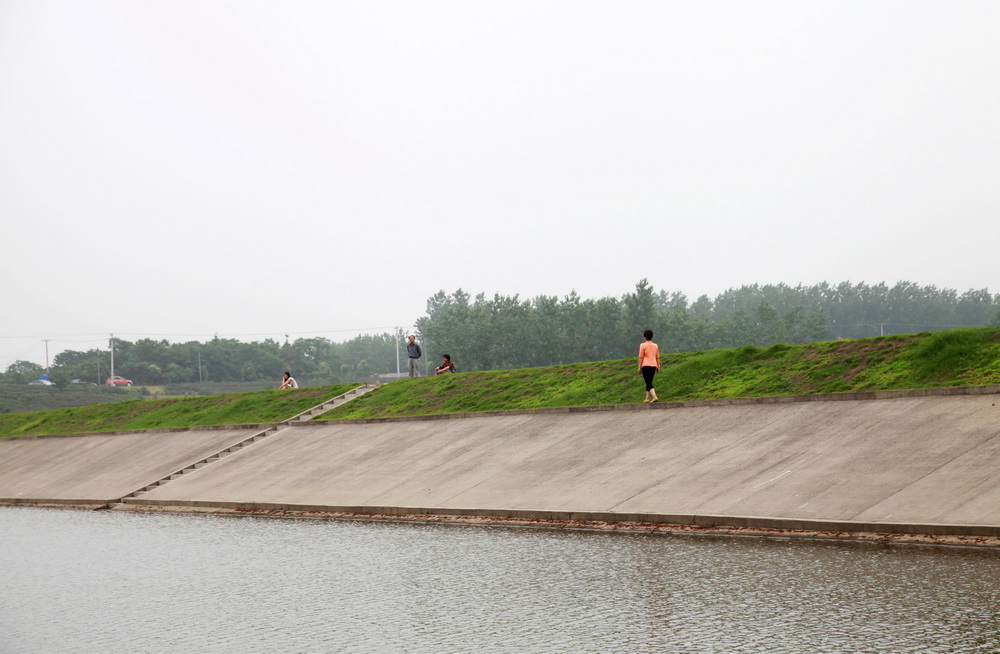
<point x="446" y="365"/>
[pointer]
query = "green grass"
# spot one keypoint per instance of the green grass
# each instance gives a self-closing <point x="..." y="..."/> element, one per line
<point x="963" y="357"/>
<point x="21" y="397"/>
<point x="232" y="408"/>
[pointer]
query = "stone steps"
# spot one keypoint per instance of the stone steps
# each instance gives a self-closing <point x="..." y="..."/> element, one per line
<point x="256" y="437"/>
<point x="320" y="409"/>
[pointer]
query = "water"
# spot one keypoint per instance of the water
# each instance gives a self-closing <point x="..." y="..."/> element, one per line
<point x="79" y="581"/>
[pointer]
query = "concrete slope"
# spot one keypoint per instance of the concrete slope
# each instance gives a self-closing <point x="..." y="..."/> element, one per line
<point x="916" y="460"/>
<point x="95" y="469"/>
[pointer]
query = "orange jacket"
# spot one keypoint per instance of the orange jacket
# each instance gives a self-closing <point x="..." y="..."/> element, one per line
<point x="649" y="355"/>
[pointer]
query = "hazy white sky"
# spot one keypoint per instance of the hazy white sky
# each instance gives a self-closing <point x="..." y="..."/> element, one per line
<point x="251" y="168"/>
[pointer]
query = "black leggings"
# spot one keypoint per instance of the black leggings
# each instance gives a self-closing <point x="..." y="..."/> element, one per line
<point x="647" y="374"/>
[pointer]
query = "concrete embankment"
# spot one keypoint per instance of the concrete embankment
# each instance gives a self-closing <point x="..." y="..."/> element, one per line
<point x="97" y="469"/>
<point x="923" y="462"/>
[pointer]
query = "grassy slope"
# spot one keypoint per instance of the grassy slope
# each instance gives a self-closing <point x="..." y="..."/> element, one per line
<point x="964" y="357"/>
<point x="21" y="397"/>
<point x="234" y="408"/>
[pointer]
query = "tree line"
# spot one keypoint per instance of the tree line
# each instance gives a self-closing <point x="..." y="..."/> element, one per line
<point x="154" y="362"/>
<point x="503" y="331"/>
<point x="506" y="331"/>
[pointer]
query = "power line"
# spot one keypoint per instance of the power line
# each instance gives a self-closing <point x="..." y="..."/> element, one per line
<point x="94" y="337"/>
<point x="893" y="323"/>
<point x="53" y="336"/>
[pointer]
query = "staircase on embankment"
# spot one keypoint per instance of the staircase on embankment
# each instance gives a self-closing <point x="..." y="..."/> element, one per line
<point x="329" y="405"/>
<point x="258" y="436"/>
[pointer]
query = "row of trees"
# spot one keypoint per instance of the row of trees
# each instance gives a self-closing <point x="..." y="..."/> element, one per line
<point x="860" y="310"/>
<point x="507" y="332"/>
<point x="149" y="361"/>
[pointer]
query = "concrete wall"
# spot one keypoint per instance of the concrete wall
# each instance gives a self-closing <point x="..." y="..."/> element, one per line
<point x="920" y="461"/>
<point x="98" y="469"/>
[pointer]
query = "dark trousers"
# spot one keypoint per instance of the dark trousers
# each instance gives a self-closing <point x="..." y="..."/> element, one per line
<point x="648" y="372"/>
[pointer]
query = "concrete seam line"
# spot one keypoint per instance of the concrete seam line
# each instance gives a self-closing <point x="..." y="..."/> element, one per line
<point x="991" y="389"/>
<point x="165" y="430"/>
<point x="980" y="542"/>
<point x="32" y="501"/>
<point x="710" y="521"/>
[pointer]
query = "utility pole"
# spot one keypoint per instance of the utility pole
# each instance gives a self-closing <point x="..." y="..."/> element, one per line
<point x="399" y="335"/>
<point x="47" y="371"/>
<point x="112" y="356"/>
<point x="199" y="367"/>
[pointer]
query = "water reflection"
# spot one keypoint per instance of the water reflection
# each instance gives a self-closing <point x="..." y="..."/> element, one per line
<point x="119" y="582"/>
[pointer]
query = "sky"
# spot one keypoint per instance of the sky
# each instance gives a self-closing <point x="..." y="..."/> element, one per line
<point x="249" y="169"/>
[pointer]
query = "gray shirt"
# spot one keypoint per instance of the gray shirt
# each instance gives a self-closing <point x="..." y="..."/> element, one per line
<point x="413" y="350"/>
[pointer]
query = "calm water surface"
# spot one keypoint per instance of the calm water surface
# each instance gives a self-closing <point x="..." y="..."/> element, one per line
<point x="79" y="581"/>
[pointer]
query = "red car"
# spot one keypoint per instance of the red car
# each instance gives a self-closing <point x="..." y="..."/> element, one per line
<point x="118" y="381"/>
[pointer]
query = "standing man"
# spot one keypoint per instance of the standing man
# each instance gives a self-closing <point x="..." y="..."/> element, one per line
<point x="414" y="353"/>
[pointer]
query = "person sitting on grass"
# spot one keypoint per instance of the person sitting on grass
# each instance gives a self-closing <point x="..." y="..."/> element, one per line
<point x="446" y="365"/>
<point x="288" y="381"/>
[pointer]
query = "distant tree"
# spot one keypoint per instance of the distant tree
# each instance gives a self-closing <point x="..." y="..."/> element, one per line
<point x="363" y="370"/>
<point x="21" y="372"/>
<point x="153" y="374"/>
<point x="640" y="311"/>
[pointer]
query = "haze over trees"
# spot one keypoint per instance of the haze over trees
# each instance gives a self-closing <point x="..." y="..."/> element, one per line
<point x="155" y="362"/>
<point x="510" y="332"/>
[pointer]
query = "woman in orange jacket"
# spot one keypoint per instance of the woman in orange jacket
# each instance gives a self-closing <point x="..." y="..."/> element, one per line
<point x="649" y="364"/>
